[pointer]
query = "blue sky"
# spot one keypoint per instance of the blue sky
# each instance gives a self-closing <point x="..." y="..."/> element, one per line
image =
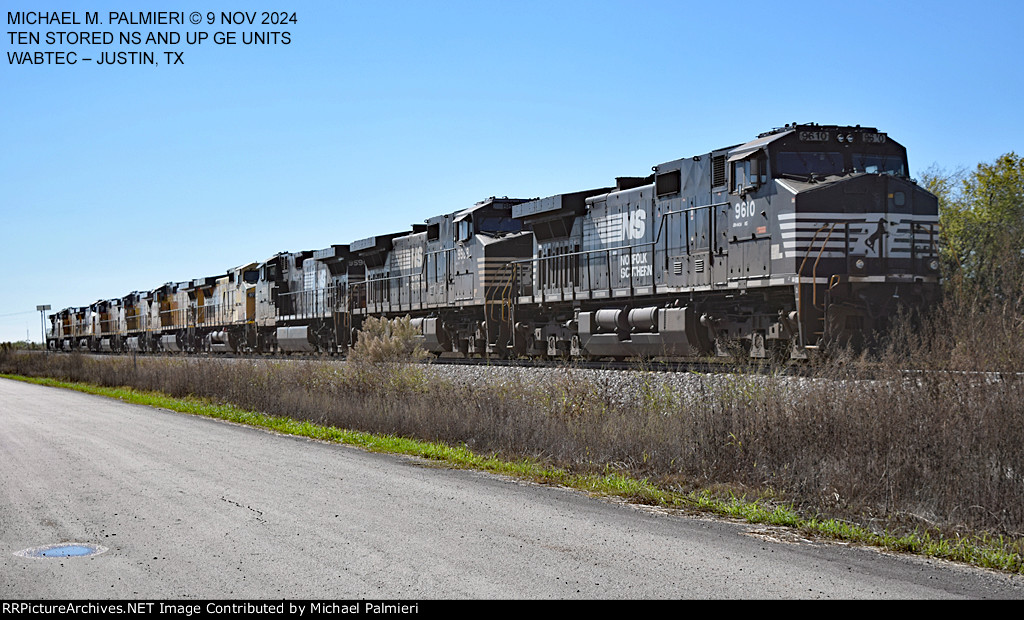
<point x="379" y="115"/>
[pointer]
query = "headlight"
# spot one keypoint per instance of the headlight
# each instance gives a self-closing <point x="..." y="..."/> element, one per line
<point x="933" y="264"/>
<point x="859" y="264"/>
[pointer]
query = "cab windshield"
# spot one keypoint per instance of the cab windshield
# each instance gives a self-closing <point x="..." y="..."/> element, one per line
<point x="498" y="224"/>
<point x="808" y="163"/>
<point x="887" y="164"/>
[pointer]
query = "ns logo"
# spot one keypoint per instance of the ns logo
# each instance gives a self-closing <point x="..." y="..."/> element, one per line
<point x="636" y="225"/>
<point x="619" y="227"/>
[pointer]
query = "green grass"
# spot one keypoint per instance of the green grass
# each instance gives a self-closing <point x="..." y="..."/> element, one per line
<point x="984" y="551"/>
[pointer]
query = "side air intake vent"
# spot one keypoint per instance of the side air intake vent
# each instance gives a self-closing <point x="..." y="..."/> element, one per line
<point x="718" y="171"/>
<point x="668" y="183"/>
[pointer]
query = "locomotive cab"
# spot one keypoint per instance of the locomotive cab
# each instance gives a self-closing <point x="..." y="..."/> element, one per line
<point x="842" y="223"/>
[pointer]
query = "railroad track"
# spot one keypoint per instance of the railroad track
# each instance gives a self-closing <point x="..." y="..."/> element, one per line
<point x="701" y="366"/>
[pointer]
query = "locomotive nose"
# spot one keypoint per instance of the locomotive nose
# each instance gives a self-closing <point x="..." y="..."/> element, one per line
<point x="865" y="242"/>
<point x="876" y="225"/>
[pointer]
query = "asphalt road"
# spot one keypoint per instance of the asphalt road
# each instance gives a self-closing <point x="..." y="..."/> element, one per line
<point x="189" y="507"/>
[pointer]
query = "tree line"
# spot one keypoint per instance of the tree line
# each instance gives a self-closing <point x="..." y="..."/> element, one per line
<point x="981" y="215"/>
<point x="979" y="323"/>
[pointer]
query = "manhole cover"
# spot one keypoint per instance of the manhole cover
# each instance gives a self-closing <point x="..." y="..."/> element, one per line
<point x="62" y="550"/>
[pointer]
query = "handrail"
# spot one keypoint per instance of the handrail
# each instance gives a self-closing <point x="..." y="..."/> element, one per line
<point x="412" y="277"/>
<point x="814" y="269"/>
<point x="800" y="282"/>
<point x="632" y="249"/>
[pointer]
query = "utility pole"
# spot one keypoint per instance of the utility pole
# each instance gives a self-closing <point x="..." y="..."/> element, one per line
<point x="42" y="323"/>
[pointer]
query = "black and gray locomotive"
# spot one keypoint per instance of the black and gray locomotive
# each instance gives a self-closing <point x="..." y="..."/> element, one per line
<point x="805" y="236"/>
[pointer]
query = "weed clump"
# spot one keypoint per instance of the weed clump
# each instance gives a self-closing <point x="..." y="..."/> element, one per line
<point x="387" y="341"/>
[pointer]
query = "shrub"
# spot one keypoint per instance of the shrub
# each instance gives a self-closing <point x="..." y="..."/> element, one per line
<point x="387" y="341"/>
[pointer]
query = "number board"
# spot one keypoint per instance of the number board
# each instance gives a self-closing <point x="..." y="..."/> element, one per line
<point x="814" y="136"/>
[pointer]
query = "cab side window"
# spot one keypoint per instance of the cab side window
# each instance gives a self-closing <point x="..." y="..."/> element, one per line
<point x="748" y="173"/>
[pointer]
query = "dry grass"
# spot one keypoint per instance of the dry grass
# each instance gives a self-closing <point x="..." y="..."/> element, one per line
<point x="939" y="450"/>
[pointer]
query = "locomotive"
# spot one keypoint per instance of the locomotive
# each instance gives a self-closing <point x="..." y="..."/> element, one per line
<point x="807" y="235"/>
